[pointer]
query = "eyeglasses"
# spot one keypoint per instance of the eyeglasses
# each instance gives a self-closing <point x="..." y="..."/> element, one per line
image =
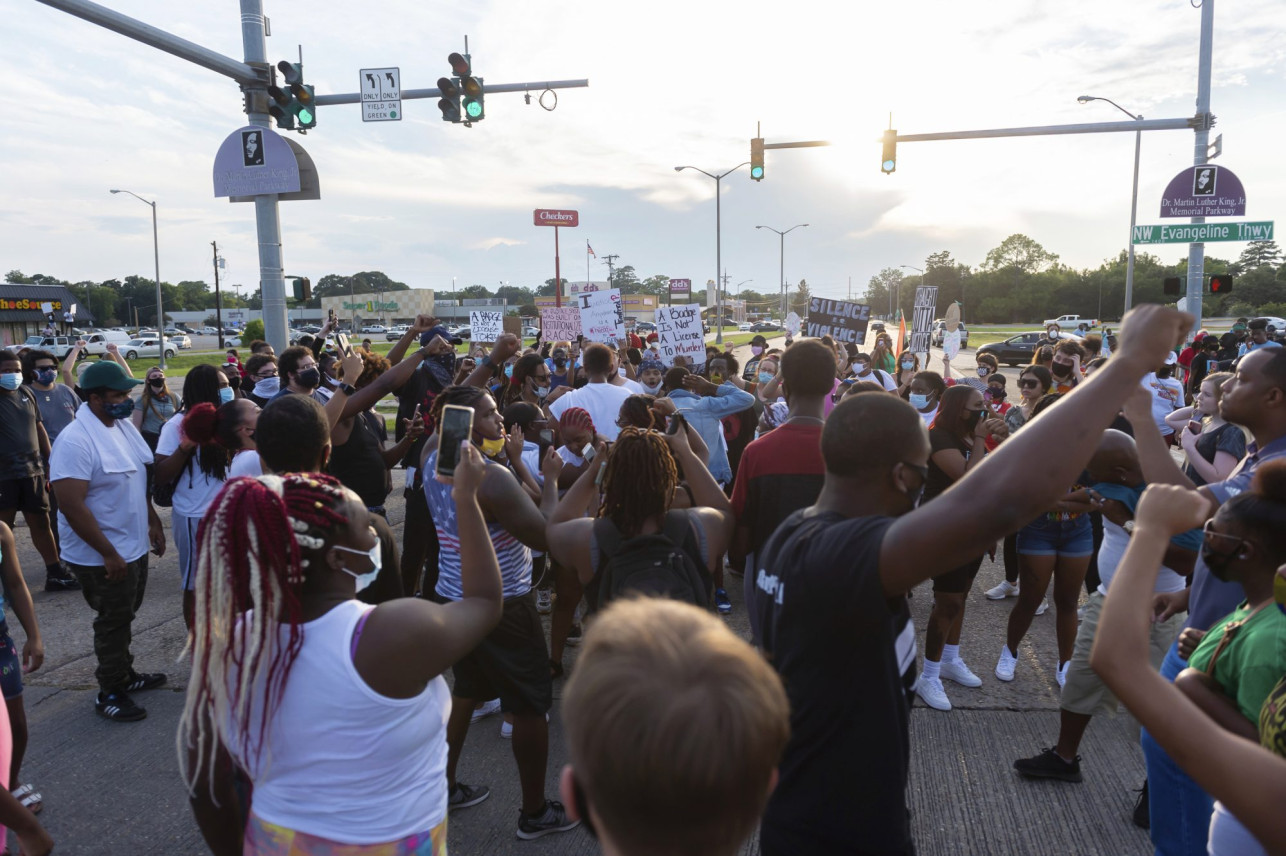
<point x="272" y="373"/>
<point x="1211" y="535"/>
<point x="1028" y="382"/>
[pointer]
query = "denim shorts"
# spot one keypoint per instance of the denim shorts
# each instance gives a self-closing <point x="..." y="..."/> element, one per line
<point x="1044" y="537"/>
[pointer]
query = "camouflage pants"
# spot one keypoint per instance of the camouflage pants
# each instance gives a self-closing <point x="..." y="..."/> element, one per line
<point x="115" y="603"/>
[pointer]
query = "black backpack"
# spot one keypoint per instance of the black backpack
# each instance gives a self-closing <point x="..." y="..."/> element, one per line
<point x="658" y="565"/>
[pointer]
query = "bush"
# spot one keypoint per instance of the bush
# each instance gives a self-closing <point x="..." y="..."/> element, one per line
<point x="1238" y="310"/>
<point x="1277" y="310"/>
<point x="254" y="330"/>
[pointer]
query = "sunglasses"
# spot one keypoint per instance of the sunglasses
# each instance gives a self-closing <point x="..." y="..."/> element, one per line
<point x="1028" y="383"/>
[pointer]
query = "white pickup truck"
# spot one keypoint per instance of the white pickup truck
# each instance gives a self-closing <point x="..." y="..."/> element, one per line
<point x="1066" y="322"/>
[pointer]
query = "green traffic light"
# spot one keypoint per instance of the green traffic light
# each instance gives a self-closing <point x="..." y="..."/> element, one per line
<point x="473" y="108"/>
<point x="889" y="165"/>
<point x="756" y="172"/>
<point x="305" y="116"/>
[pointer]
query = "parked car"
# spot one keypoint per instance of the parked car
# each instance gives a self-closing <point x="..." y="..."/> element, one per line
<point x="181" y="342"/>
<point x="396" y="332"/>
<point x="940" y="332"/>
<point x="530" y="332"/>
<point x="147" y="346"/>
<point x="59" y="346"/>
<point x="1071" y="322"/>
<point x="209" y="331"/>
<point x="463" y="332"/>
<point x="744" y="328"/>
<point x="374" y="328"/>
<point x="1275" y="324"/>
<point x="643" y="328"/>
<point x="1018" y="350"/>
<point x="765" y="327"/>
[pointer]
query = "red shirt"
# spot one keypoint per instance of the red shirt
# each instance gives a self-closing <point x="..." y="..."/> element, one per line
<point x="779" y="474"/>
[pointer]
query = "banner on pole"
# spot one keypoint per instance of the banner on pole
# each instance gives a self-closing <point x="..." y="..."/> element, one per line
<point x="560" y="324"/>
<point x="926" y="306"/>
<point x="678" y="332"/>
<point x="842" y="321"/>
<point x="602" y="316"/>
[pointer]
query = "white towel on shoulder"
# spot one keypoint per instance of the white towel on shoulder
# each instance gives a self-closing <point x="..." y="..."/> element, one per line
<point x="121" y="449"/>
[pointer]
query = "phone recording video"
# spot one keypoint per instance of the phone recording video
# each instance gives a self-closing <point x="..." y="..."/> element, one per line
<point x="455" y="428"/>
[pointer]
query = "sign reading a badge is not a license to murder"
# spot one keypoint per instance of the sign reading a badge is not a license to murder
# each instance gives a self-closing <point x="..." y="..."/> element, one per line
<point x="842" y="321"/>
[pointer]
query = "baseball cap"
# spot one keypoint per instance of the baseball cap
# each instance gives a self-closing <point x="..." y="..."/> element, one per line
<point x="1171" y="358"/>
<point x="107" y="374"/>
<point x="427" y="336"/>
<point x="759" y="340"/>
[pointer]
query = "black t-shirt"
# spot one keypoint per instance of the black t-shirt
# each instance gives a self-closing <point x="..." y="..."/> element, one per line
<point x="358" y="462"/>
<point x="940" y="440"/>
<point x="19" y="440"/>
<point x="846" y="654"/>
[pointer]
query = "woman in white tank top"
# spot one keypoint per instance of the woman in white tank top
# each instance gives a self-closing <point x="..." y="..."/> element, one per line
<point x="334" y="710"/>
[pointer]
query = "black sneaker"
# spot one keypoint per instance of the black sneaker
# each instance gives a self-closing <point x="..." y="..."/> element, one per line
<point x="574" y="635"/>
<point x="463" y="796"/>
<point x="1142" y="815"/>
<point x="1048" y="765"/>
<point x="58" y="578"/>
<point x="144" y="681"/>
<point x="554" y="819"/>
<point x="118" y="707"/>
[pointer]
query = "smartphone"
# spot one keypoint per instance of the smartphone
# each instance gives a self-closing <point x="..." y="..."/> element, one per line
<point x="455" y="428"/>
<point x="1195" y="426"/>
<point x="547" y="437"/>
<point x="330" y="313"/>
<point x="676" y="421"/>
<point x="341" y="339"/>
<point x="588" y="452"/>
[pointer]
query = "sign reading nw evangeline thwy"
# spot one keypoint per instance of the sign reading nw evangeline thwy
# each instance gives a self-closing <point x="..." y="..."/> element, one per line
<point x="1199" y="233"/>
<point x="554" y="217"/>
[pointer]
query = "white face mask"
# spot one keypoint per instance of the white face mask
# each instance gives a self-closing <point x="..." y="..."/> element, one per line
<point x="376" y="557"/>
<point x="268" y="387"/>
<point x="651" y="390"/>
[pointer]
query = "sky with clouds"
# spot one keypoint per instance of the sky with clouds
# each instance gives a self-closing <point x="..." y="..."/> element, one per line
<point x="671" y="83"/>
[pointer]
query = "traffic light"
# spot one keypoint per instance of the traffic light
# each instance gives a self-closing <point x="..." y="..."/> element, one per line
<point x="1221" y="283"/>
<point x="889" y="163"/>
<point x="293" y="105"/>
<point x="757" y="158"/>
<point x="450" y="101"/>
<point x="470" y="87"/>
<point x="303" y="287"/>
<point x="1172" y="286"/>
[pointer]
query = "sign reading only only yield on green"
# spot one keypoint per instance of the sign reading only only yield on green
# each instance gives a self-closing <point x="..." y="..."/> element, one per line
<point x="1196" y="233"/>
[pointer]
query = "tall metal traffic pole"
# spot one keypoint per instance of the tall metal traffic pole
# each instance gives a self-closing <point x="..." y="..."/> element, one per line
<point x="156" y="259"/>
<point x="781" y="273"/>
<point x="1201" y="147"/>
<point x="1134" y="200"/>
<point x="718" y="239"/>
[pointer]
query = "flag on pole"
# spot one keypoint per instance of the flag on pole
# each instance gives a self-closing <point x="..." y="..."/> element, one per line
<point x="590" y="250"/>
<point x="897" y="348"/>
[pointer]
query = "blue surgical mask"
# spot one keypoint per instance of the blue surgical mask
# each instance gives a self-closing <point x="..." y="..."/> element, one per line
<point x="46" y="376"/>
<point x="120" y="410"/>
<point x="765" y="377"/>
<point x="919" y="402"/>
<point x="509" y="370"/>
<point x="540" y="391"/>
<point x="376" y="557"/>
<point x="10" y="380"/>
<point x="226" y="394"/>
<point x="908" y="364"/>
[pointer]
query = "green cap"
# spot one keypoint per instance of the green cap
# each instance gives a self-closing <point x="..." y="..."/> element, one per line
<point x="108" y="374"/>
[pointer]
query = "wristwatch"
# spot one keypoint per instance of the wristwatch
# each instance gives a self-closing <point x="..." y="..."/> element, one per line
<point x="348" y="389"/>
<point x="1128" y="526"/>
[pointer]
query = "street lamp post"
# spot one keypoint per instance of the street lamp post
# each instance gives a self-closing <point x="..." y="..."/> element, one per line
<point x="156" y="258"/>
<point x="781" y="276"/>
<point x="1134" y="197"/>
<point x="718" y="241"/>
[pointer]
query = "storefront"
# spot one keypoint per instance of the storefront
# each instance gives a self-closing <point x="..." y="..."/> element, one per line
<point x="25" y="311"/>
<point x="391" y="307"/>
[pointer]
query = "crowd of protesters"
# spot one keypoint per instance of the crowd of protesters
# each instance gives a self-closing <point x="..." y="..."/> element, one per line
<point x="617" y="492"/>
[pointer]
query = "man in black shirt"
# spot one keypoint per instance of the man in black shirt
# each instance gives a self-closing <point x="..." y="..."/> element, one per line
<point x="828" y="607"/>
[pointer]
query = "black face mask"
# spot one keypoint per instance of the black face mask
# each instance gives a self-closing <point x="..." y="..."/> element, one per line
<point x="972" y="418"/>
<point x="1218" y="562"/>
<point x="308" y="378"/>
<point x="1059" y="369"/>
<point x="997" y="395"/>
<point x="157" y="382"/>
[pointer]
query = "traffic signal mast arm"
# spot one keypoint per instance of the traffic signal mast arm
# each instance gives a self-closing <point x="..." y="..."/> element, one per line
<point x="490" y="89"/>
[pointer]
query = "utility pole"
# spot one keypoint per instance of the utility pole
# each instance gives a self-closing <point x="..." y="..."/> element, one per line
<point x="1201" y="155"/>
<point x="218" y="303"/>
<point x="610" y="261"/>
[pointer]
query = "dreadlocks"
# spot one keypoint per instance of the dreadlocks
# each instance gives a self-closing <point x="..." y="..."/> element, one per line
<point x="254" y="548"/>
<point x="639" y="480"/>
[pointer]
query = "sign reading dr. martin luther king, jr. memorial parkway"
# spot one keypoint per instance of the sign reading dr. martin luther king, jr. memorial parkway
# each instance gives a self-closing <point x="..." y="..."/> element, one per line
<point x="842" y="321"/>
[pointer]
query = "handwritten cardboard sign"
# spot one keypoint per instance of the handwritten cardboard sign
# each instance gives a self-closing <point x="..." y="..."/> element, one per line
<point x="602" y="315"/>
<point x="678" y="331"/>
<point x="485" y="326"/>
<point x="560" y="324"/>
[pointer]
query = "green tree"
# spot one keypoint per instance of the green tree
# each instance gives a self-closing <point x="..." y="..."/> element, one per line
<point x="253" y="331"/>
<point x="515" y="295"/>
<point x="625" y="279"/>
<point x="1258" y="254"/>
<point x="547" y="290"/>
<point x="475" y="292"/>
<point x="658" y="284"/>
<point x="882" y="289"/>
<point x="799" y="298"/>
<point x="1021" y="252"/>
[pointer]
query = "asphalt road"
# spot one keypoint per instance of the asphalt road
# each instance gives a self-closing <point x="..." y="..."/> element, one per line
<point x="114" y="788"/>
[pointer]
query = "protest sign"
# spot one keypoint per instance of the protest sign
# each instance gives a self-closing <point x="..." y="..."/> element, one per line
<point x="485" y="326"/>
<point x="560" y="324"/>
<point x="793" y="324"/>
<point x="926" y="305"/>
<point x="842" y="321"/>
<point x="513" y="324"/>
<point x="602" y="316"/>
<point x="678" y="332"/>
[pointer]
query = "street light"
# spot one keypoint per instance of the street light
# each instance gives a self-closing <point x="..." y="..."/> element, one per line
<point x="156" y="258"/>
<point x="782" y="258"/>
<point x="899" y="285"/>
<point x="1134" y="196"/>
<point x="718" y="241"/>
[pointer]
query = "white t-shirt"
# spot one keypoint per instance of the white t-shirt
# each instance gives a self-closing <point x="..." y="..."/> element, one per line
<point x="118" y="501"/>
<point x="246" y="463"/>
<point x="194" y="490"/>
<point x="633" y="386"/>
<point x="601" y="400"/>
<point x="1167" y="397"/>
<point x="569" y="457"/>
<point x="879" y="376"/>
<point x="1115" y="540"/>
<point x="928" y="417"/>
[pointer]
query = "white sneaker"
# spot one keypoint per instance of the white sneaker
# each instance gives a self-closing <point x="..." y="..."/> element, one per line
<point x="931" y="692"/>
<point x="1006" y="665"/>
<point x="1043" y="608"/>
<point x="956" y="670"/>
<point x="1002" y="591"/>
<point x="544" y="601"/>
<point x="507" y="730"/>
<point x="488" y="709"/>
<point x="1061" y="674"/>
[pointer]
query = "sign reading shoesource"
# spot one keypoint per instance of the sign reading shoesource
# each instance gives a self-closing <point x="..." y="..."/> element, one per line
<point x="253" y="161"/>
<point x="1204" y="191"/>
<point x="842" y="321"/>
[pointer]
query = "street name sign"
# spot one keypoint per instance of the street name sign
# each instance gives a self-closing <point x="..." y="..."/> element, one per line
<point x="1200" y="233"/>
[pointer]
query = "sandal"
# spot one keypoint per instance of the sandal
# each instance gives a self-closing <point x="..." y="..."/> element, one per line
<point x="29" y="797"/>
